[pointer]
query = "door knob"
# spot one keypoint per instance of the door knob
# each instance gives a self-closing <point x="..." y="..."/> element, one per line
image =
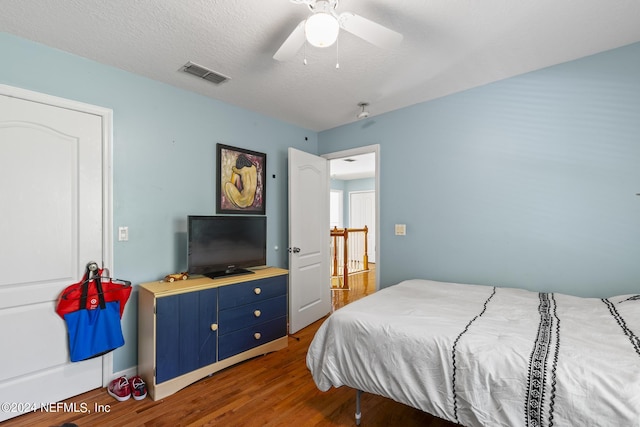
<point x="294" y="250"/>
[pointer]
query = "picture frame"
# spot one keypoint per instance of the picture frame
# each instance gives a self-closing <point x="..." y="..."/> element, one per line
<point x="241" y="185"/>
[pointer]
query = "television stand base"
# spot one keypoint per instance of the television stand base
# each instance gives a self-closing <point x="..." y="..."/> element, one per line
<point x="227" y="273"/>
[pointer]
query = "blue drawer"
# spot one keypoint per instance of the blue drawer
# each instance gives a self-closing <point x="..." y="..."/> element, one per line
<point x="232" y="296"/>
<point x="245" y="339"/>
<point x="252" y="314"/>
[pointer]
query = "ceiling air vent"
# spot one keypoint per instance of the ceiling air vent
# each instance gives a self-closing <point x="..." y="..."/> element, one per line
<point x="204" y="73"/>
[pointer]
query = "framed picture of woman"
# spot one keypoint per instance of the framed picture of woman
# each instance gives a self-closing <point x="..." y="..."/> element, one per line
<point x="241" y="183"/>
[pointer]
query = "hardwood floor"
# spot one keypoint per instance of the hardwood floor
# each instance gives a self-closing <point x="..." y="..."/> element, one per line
<point x="360" y="285"/>
<point x="271" y="390"/>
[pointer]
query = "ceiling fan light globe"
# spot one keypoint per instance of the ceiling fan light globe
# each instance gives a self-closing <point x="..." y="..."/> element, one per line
<point x="321" y="29"/>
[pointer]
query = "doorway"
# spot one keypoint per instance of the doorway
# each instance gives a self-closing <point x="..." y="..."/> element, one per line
<point x="354" y="173"/>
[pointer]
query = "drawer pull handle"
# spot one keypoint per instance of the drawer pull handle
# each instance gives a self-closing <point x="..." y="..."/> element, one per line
<point x="257" y="313"/>
<point x="257" y="335"/>
<point x="257" y="291"/>
<point x="214" y="326"/>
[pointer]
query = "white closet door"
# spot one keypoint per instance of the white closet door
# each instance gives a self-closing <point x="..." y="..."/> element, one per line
<point x="362" y="211"/>
<point x="51" y="184"/>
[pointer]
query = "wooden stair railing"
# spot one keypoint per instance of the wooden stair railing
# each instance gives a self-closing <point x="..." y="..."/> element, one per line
<point x="348" y="253"/>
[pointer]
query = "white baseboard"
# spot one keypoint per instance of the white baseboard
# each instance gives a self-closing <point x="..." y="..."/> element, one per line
<point x="129" y="372"/>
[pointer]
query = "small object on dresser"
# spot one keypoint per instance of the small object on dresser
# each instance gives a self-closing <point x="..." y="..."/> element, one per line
<point x="177" y="276"/>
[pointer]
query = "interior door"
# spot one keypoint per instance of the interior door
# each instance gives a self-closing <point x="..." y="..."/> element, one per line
<point x="362" y="211"/>
<point x="52" y="218"/>
<point x="309" y="274"/>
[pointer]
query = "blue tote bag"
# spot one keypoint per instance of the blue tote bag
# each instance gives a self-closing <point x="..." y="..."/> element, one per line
<point x="94" y="332"/>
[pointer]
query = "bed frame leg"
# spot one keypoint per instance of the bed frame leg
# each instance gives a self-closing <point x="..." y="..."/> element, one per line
<point x="358" y="413"/>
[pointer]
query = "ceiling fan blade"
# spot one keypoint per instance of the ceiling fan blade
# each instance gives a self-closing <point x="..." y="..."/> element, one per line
<point x="292" y="44"/>
<point x="370" y="31"/>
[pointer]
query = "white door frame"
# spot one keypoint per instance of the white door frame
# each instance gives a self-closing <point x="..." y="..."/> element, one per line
<point x="375" y="148"/>
<point x="107" y="177"/>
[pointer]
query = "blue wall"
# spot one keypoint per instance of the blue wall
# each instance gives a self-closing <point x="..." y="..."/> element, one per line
<point x="348" y="186"/>
<point x="164" y="142"/>
<point x="527" y="182"/>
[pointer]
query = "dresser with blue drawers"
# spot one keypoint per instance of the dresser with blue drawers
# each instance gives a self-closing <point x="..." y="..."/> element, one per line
<point x="190" y="329"/>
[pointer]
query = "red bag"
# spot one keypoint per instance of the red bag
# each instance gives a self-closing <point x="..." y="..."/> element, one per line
<point x="112" y="289"/>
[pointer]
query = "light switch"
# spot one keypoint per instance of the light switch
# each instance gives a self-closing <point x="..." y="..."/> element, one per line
<point x="123" y="234"/>
<point x="401" y="229"/>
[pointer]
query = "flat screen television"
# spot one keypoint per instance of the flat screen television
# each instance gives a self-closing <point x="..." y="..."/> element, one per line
<point x="224" y="245"/>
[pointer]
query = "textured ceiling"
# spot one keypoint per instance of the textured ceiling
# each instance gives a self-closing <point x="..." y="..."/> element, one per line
<point x="448" y="46"/>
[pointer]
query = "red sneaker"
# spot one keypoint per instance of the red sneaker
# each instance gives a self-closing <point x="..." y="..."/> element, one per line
<point x="138" y="388"/>
<point x="120" y="389"/>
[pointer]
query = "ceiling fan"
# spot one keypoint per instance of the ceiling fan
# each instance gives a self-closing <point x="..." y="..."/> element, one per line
<point x="321" y="29"/>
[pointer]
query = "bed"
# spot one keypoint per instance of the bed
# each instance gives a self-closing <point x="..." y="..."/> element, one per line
<point x="487" y="356"/>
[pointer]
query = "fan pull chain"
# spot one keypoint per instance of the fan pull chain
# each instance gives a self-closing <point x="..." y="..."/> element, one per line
<point x="304" y="61"/>
<point x="337" y="52"/>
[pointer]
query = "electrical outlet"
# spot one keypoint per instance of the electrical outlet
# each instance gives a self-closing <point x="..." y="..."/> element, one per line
<point x="401" y="229"/>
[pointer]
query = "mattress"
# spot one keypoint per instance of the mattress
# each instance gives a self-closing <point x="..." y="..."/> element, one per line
<point x="488" y="356"/>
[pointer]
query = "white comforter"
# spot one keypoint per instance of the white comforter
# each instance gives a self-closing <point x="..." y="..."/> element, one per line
<point x="485" y="356"/>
